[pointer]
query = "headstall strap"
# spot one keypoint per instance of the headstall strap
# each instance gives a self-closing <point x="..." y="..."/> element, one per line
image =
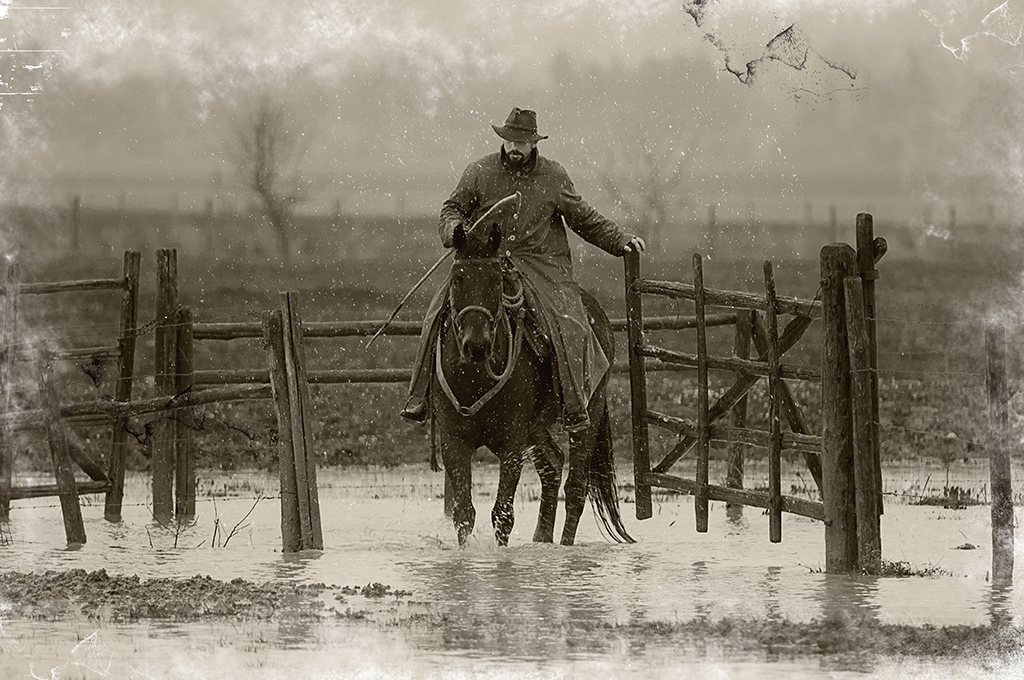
<point x="511" y="303"/>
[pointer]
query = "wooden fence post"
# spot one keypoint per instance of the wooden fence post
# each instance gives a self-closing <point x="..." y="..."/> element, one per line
<point x="738" y="414"/>
<point x="999" y="458"/>
<point x="774" y="407"/>
<point x="869" y="540"/>
<point x="637" y="387"/>
<point x="165" y="355"/>
<point x="700" y="496"/>
<point x="302" y="430"/>
<point x="838" y="485"/>
<point x="273" y="334"/>
<point x="184" y="444"/>
<point x="123" y="389"/>
<point x="869" y="250"/>
<point x="63" y="470"/>
<point x="10" y="341"/>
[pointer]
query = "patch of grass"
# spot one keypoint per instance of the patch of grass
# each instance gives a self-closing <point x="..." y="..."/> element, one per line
<point x="904" y="569"/>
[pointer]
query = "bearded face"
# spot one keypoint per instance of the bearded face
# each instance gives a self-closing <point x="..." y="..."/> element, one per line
<point x="518" y="153"/>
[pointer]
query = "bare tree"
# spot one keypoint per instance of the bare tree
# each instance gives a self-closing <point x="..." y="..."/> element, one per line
<point x="648" y="189"/>
<point x="267" y="154"/>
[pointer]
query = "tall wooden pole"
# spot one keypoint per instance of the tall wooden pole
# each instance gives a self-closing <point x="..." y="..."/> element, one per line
<point x="165" y="354"/>
<point x="10" y="342"/>
<point x="273" y="334"/>
<point x="738" y="414"/>
<point x="774" y="408"/>
<point x="63" y="468"/>
<point x="837" y="262"/>
<point x="302" y="429"/>
<point x="700" y="502"/>
<point x="869" y="538"/>
<point x="999" y="458"/>
<point x="637" y="387"/>
<point x="184" y="439"/>
<point x="869" y="251"/>
<point x="123" y="390"/>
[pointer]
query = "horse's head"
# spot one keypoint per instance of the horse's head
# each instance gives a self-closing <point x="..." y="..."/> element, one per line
<point x="475" y="292"/>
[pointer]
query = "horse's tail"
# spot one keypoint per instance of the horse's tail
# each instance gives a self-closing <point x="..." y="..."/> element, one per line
<point x="603" y="491"/>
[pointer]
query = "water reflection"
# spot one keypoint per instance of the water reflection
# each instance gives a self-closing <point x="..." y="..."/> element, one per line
<point x="850" y="598"/>
<point x="523" y="602"/>
<point x="294" y="567"/>
<point x="773" y="610"/>
<point x="1000" y="604"/>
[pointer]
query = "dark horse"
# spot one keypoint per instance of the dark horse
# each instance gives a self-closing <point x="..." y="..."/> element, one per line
<point x="491" y="389"/>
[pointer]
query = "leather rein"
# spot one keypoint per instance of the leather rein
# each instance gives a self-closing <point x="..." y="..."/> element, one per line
<point x="510" y="304"/>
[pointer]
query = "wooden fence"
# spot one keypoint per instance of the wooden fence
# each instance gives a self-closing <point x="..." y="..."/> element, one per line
<point x="285" y="380"/>
<point x="843" y="459"/>
<point x="49" y="414"/>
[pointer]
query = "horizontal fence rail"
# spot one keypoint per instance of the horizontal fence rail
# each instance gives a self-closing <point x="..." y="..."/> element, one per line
<point x="45" y="288"/>
<point x="237" y="330"/>
<point x="697" y="434"/>
<point x="756" y="499"/>
<point x="727" y="298"/>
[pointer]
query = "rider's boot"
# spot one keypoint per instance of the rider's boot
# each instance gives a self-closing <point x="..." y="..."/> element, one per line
<point x="415" y="409"/>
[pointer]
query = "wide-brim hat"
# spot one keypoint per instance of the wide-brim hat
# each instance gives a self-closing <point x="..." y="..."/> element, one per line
<point x="520" y="126"/>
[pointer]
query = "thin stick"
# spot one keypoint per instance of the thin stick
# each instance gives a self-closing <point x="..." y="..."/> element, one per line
<point x="516" y="198"/>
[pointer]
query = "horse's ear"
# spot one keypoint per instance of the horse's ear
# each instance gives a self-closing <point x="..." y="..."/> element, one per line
<point x="459" y="237"/>
<point x="494" y="240"/>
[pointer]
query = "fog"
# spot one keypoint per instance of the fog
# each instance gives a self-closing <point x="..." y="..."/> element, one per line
<point x="904" y="108"/>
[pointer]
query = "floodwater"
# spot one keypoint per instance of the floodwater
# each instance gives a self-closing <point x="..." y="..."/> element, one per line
<point x="510" y="612"/>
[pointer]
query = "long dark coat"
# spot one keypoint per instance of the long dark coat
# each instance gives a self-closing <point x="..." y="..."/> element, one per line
<point x="537" y="244"/>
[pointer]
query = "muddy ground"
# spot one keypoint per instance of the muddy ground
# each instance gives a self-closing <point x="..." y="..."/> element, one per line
<point x="101" y="598"/>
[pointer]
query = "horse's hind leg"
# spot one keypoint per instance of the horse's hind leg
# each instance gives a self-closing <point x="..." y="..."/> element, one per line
<point x="577" y="481"/>
<point x="503" y="515"/>
<point x="458" y="459"/>
<point x="548" y="460"/>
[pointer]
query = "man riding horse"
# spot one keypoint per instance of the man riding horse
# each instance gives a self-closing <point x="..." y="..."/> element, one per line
<point x="536" y="248"/>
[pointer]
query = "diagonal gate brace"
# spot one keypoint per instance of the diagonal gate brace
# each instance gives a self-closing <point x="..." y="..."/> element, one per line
<point x="790" y="336"/>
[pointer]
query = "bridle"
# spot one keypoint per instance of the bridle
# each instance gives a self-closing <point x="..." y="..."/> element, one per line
<point x="510" y="304"/>
<point x="492" y="317"/>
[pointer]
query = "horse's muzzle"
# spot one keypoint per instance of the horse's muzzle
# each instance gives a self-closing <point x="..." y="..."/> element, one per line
<point x="475" y="343"/>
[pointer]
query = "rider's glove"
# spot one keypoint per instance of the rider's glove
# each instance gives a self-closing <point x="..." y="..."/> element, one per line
<point x="448" y="232"/>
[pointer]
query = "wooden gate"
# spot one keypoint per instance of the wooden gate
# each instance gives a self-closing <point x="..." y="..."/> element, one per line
<point x="843" y="460"/>
<point x="19" y="346"/>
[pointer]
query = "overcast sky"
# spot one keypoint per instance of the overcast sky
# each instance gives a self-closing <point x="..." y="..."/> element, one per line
<point x="925" y="92"/>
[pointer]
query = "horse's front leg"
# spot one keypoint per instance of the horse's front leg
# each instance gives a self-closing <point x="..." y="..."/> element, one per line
<point x="548" y="460"/>
<point x="503" y="515"/>
<point x="458" y="459"/>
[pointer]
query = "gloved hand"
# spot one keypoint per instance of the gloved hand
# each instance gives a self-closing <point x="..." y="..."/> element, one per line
<point x="448" y="230"/>
<point x="635" y="244"/>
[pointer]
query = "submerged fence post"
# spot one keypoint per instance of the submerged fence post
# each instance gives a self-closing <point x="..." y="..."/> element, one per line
<point x="869" y="541"/>
<point x="774" y="407"/>
<point x="869" y="251"/>
<point x="700" y="494"/>
<point x="637" y="387"/>
<point x="165" y="356"/>
<point x="184" y="444"/>
<point x="745" y="320"/>
<point x="7" y="351"/>
<point x="302" y="430"/>
<point x="63" y="469"/>
<point x="273" y="335"/>
<point x="838" y="486"/>
<point x="999" y="457"/>
<point x="123" y="390"/>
